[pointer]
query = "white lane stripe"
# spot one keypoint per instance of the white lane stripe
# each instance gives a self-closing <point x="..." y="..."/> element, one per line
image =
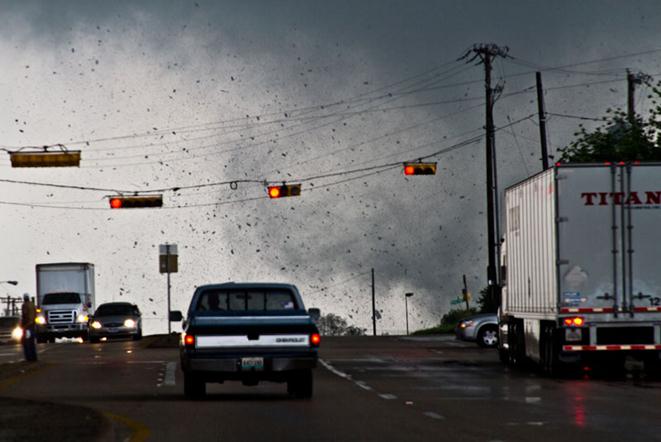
<point x="388" y="396"/>
<point x="363" y="385"/>
<point x="334" y="370"/>
<point x="169" y="374"/>
<point x="433" y="415"/>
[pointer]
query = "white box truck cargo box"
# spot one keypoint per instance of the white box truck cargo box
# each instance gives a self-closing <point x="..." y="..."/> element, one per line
<point x="583" y="241"/>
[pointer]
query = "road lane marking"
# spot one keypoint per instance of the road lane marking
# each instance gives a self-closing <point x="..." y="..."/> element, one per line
<point x="363" y="385"/>
<point x="387" y="396"/>
<point x="333" y="370"/>
<point x="433" y="415"/>
<point x="169" y="374"/>
<point x="139" y="431"/>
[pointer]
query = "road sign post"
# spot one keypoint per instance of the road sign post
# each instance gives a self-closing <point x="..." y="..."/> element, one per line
<point x="168" y="263"/>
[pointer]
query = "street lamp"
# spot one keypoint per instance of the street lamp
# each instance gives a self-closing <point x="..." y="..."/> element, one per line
<point x="406" y="308"/>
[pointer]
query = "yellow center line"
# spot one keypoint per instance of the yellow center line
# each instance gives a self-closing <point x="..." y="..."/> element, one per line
<point x="139" y="431"/>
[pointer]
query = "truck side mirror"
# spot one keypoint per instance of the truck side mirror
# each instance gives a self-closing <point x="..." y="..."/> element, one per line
<point x="314" y="313"/>
<point x="176" y="316"/>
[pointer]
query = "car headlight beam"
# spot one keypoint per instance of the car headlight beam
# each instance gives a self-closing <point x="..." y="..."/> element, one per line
<point x="130" y="323"/>
<point x="17" y="333"/>
<point x="96" y="325"/>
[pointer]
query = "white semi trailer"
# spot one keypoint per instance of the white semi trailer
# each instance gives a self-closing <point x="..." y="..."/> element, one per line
<point x="65" y="299"/>
<point x="582" y="266"/>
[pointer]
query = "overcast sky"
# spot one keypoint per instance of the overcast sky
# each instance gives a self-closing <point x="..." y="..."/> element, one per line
<point x="170" y="94"/>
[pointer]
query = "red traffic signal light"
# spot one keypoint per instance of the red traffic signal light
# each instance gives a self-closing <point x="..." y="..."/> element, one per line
<point x="284" y="190"/>
<point x="135" y="202"/>
<point x="419" y="168"/>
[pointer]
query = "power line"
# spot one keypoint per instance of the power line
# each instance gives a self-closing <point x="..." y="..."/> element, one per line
<point x="369" y="169"/>
<point x="576" y="117"/>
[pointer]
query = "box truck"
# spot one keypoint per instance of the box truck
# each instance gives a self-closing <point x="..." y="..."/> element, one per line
<point x="65" y="299"/>
<point x="582" y="267"/>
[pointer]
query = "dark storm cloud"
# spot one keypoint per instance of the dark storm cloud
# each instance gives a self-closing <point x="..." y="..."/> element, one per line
<point x="168" y="64"/>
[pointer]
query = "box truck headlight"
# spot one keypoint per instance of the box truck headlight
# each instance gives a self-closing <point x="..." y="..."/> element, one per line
<point x="82" y="318"/>
<point x="17" y="333"/>
<point x="130" y="323"/>
<point x="96" y="325"/>
<point x="40" y="319"/>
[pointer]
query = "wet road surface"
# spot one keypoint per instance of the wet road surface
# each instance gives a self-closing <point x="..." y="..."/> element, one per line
<point x="384" y="388"/>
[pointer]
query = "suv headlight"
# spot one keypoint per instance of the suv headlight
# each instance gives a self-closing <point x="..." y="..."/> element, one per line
<point x="96" y="325"/>
<point x="40" y="319"/>
<point x="130" y="323"/>
<point x="82" y="318"/>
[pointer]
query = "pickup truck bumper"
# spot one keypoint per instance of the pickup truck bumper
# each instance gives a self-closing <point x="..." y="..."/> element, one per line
<point x="233" y="365"/>
<point x="228" y="366"/>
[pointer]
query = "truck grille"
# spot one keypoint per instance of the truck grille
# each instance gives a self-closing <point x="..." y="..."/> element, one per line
<point x="61" y="316"/>
<point x="625" y="335"/>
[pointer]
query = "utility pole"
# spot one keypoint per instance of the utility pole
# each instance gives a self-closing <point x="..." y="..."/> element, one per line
<point x="485" y="54"/>
<point x="632" y="81"/>
<point x="542" y="121"/>
<point x="465" y="292"/>
<point x="373" y="306"/>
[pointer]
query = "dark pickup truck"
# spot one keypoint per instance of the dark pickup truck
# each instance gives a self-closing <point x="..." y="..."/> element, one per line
<point x="249" y="332"/>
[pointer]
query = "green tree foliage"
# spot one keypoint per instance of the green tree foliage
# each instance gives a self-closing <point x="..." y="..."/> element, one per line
<point x="487" y="303"/>
<point x="335" y="325"/>
<point x="619" y="138"/>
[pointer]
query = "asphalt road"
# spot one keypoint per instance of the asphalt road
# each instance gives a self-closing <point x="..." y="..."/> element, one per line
<point x="366" y="389"/>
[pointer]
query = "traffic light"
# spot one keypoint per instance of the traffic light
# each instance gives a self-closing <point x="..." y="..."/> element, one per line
<point x="419" y="168"/>
<point x="284" y="190"/>
<point x="68" y="158"/>
<point x="135" y="202"/>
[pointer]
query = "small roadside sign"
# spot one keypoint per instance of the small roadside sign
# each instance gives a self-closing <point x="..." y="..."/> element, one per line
<point x="168" y="258"/>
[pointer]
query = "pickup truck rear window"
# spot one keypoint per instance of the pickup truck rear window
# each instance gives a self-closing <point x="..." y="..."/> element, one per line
<point x="246" y="300"/>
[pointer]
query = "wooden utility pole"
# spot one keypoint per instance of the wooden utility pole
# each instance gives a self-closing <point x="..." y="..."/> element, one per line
<point x="632" y="81"/>
<point x="465" y="292"/>
<point x="373" y="306"/>
<point x="485" y="54"/>
<point x="542" y="121"/>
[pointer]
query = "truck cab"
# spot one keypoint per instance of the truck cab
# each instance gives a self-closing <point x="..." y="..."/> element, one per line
<point x="65" y="300"/>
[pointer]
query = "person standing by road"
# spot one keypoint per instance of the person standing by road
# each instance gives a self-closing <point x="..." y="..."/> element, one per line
<point x="28" y="314"/>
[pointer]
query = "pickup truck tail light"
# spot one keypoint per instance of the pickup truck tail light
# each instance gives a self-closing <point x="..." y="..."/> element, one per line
<point x="189" y="340"/>
<point x="315" y="339"/>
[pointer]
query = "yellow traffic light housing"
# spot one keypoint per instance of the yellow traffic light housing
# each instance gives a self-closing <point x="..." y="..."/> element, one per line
<point x="420" y="168"/>
<point x="284" y="190"/>
<point x="135" y="201"/>
<point x="64" y="158"/>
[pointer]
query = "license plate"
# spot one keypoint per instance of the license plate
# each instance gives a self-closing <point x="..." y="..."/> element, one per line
<point x="112" y="329"/>
<point x="573" y="334"/>
<point x="252" y="364"/>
